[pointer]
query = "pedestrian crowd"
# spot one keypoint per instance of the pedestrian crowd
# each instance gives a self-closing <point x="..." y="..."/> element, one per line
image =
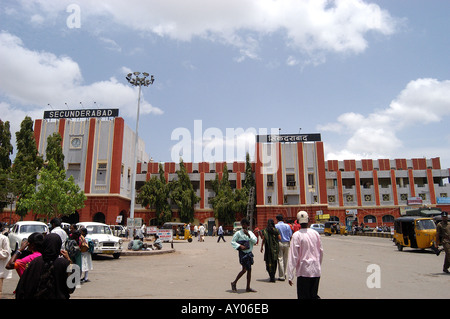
<point x="45" y="263"/>
<point x="296" y="251"/>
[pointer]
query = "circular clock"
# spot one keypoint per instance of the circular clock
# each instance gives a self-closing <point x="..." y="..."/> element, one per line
<point x="76" y="142"/>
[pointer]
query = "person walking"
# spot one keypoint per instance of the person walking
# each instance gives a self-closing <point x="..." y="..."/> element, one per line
<point x="5" y="254"/>
<point x="283" y="252"/>
<point x="86" y="256"/>
<point x="243" y="241"/>
<point x="220" y="233"/>
<point x="201" y="233"/>
<point x="443" y="237"/>
<point x="270" y="242"/>
<point x="305" y="259"/>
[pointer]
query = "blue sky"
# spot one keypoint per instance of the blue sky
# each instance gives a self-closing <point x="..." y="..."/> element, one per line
<point x="371" y="76"/>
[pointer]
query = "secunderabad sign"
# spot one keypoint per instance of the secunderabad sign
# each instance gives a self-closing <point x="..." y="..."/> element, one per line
<point x="84" y="113"/>
<point x="288" y="138"/>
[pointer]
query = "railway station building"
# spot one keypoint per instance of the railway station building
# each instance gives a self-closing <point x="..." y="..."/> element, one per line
<point x="290" y="171"/>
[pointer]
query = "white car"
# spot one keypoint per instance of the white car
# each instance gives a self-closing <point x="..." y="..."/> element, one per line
<point x="320" y="228"/>
<point x="104" y="240"/>
<point x="21" y="230"/>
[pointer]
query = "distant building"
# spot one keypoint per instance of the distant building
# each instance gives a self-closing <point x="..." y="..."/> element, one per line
<point x="291" y="174"/>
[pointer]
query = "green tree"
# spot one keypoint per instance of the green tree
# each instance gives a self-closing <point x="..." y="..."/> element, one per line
<point x="224" y="203"/>
<point x="55" y="196"/>
<point x="183" y="194"/>
<point x="6" y="150"/>
<point x="54" y="150"/>
<point x="155" y="193"/>
<point x="27" y="164"/>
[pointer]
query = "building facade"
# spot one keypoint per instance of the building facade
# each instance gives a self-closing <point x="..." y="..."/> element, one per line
<point x="290" y="171"/>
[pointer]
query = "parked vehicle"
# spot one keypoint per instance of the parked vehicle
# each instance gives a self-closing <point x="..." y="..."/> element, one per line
<point x="21" y="230"/>
<point x="320" y="228"/>
<point x="414" y="232"/>
<point x="118" y="230"/>
<point x="179" y="230"/>
<point x="333" y="227"/>
<point x="104" y="240"/>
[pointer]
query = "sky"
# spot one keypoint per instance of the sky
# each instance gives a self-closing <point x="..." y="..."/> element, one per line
<point x="372" y="77"/>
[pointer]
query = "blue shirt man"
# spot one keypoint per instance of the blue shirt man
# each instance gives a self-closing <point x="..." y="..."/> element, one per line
<point x="283" y="252"/>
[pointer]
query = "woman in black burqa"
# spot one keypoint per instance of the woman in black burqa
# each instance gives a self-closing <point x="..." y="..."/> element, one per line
<point x="46" y="276"/>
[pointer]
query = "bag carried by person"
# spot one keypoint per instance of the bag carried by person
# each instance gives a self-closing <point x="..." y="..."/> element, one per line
<point x="84" y="247"/>
<point x="72" y="249"/>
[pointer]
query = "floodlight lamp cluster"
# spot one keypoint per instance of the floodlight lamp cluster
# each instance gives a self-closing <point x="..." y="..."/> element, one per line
<point x="134" y="79"/>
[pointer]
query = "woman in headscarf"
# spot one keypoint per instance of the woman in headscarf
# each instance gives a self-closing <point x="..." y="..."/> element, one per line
<point x="46" y="275"/>
<point x="29" y="250"/>
<point x="270" y="241"/>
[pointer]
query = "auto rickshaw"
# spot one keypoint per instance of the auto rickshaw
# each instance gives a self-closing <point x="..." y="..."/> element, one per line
<point x="180" y="231"/>
<point x="333" y="227"/>
<point x="414" y="232"/>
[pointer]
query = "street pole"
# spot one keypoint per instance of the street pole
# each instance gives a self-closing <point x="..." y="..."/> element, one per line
<point x="134" y="79"/>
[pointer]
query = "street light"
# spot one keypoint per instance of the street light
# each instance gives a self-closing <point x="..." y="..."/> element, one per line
<point x="135" y="80"/>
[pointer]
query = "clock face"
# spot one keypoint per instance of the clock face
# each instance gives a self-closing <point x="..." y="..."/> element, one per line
<point x="76" y="142"/>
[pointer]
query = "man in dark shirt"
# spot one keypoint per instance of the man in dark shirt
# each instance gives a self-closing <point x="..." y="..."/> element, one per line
<point x="443" y="237"/>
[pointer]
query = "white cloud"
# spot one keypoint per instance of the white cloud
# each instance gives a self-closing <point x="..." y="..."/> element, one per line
<point x="36" y="79"/>
<point x="309" y="26"/>
<point x="423" y="101"/>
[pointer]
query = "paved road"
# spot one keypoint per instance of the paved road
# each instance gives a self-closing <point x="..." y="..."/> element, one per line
<point x="204" y="270"/>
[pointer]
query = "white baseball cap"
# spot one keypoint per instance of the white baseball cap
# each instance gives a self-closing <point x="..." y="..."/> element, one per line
<point x="302" y="217"/>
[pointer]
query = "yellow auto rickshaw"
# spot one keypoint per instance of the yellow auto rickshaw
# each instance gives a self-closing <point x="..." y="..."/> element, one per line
<point x="180" y="231"/>
<point x="414" y="232"/>
<point x="333" y="227"/>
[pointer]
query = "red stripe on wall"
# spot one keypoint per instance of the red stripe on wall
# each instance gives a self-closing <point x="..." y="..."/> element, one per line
<point x="37" y="132"/>
<point x="89" y="156"/>
<point x="431" y="186"/>
<point x="61" y="129"/>
<point x="259" y="178"/>
<point x="321" y="171"/>
<point x="116" y="155"/>
<point x="279" y="176"/>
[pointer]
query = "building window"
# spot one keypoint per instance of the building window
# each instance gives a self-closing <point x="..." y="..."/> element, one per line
<point x="74" y="170"/>
<point x="290" y="180"/>
<point x="386" y="197"/>
<point x="331" y="199"/>
<point x="349" y="198"/>
<point x="269" y="199"/>
<point x="101" y="173"/>
<point x="311" y="180"/>
<point x="367" y="198"/>
<point x="270" y="180"/>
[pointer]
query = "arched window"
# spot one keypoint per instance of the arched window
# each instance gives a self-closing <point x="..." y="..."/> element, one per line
<point x="370" y="219"/>
<point x="99" y="218"/>
<point x="388" y="219"/>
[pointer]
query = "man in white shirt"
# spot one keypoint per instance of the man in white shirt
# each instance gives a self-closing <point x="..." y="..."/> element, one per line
<point x="305" y="259"/>
<point x="201" y="235"/>
<point x="56" y="228"/>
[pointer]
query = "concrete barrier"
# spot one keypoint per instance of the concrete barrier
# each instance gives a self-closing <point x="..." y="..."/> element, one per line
<point x="376" y="234"/>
